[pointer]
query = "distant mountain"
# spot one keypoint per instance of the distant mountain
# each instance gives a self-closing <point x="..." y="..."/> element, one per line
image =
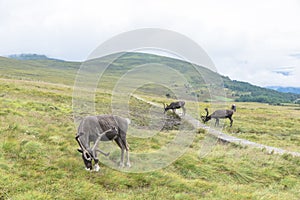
<point x="295" y="90"/>
<point x="245" y="92"/>
<point x="29" y="56"/>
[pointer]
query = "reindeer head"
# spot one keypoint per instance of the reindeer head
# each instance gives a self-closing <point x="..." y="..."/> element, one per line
<point x="205" y="118"/>
<point x="233" y="107"/>
<point x="87" y="155"/>
<point x="87" y="159"/>
<point x="166" y="107"/>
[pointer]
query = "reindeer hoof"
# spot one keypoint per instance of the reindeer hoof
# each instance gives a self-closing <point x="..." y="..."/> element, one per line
<point x="128" y="165"/>
<point x="121" y="165"/>
<point x="97" y="168"/>
<point x="107" y="154"/>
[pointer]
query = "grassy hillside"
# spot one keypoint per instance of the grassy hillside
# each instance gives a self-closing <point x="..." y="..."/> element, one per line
<point x="56" y="71"/>
<point x="38" y="157"/>
<point x="39" y="70"/>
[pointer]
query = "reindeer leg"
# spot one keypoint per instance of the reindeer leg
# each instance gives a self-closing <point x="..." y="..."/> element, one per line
<point x="183" y="109"/>
<point x="97" y="168"/>
<point x="95" y="157"/>
<point x="127" y="154"/>
<point x="119" y="143"/>
<point x="231" y="121"/>
<point x="217" y="122"/>
<point x="126" y="147"/>
<point x="128" y="161"/>
<point x="122" y="158"/>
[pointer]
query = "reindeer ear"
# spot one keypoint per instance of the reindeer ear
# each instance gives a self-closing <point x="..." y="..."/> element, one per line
<point x="79" y="150"/>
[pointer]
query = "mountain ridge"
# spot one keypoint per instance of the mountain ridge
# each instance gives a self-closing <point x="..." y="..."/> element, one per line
<point x="32" y="56"/>
<point x="294" y="90"/>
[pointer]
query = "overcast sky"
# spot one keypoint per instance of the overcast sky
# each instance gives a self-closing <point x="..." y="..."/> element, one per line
<point x="254" y="41"/>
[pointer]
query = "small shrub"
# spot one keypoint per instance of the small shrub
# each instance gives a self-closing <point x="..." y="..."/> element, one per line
<point x="201" y="131"/>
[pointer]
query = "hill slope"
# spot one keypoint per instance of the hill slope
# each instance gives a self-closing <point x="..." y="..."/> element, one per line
<point x="65" y="72"/>
<point x="39" y="70"/>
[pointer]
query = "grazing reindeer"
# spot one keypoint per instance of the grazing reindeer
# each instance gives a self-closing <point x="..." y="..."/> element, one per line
<point x="219" y="114"/>
<point x="102" y="128"/>
<point x="175" y="105"/>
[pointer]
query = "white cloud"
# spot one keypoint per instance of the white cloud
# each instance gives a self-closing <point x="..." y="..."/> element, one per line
<point x="247" y="40"/>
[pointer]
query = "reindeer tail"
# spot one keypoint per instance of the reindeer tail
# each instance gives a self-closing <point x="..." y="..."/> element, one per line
<point x="128" y="121"/>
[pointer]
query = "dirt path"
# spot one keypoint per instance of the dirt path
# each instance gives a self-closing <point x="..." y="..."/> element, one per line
<point x="227" y="138"/>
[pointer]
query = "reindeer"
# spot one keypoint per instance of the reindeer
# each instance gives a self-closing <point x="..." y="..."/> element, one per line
<point x="219" y="114"/>
<point x="175" y="105"/>
<point x="102" y="128"/>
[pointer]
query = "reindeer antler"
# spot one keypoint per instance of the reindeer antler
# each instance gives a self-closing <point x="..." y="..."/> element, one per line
<point x="105" y="154"/>
<point x="99" y="137"/>
<point x="84" y="150"/>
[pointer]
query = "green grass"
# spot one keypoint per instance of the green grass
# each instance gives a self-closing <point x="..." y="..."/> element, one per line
<point x="39" y="70"/>
<point x="271" y="125"/>
<point x="38" y="157"/>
